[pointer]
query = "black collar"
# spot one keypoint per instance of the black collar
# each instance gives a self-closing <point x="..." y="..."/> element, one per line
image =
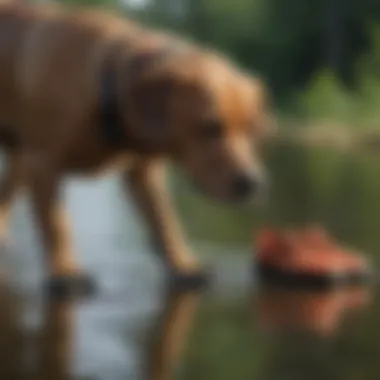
<point x="112" y="126"/>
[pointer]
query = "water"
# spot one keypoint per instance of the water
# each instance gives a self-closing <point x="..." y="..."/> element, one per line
<point x="136" y="329"/>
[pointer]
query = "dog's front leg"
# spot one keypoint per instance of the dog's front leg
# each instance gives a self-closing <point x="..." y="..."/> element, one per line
<point x="146" y="180"/>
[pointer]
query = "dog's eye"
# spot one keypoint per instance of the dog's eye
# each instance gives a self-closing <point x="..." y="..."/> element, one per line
<point x="211" y="129"/>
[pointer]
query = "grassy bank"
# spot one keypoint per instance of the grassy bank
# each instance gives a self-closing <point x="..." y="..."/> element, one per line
<point x="330" y="135"/>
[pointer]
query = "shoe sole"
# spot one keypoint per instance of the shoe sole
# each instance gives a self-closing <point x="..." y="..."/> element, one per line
<point x="275" y="275"/>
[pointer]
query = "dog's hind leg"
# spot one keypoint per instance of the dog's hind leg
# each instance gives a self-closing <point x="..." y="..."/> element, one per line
<point x="11" y="181"/>
<point x="64" y="275"/>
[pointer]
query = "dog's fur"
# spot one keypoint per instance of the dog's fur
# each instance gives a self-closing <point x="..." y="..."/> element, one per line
<point x="82" y="90"/>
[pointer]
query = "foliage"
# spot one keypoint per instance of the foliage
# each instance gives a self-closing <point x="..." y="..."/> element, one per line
<point x="326" y="99"/>
<point x="321" y="58"/>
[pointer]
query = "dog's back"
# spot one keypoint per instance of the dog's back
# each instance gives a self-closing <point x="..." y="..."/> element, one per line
<point x="50" y="60"/>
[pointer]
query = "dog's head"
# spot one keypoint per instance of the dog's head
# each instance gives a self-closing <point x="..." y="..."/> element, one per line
<point x="210" y="117"/>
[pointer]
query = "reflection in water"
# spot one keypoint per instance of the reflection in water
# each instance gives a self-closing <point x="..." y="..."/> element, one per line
<point x="170" y="335"/>
<point x="44" y="357"/>
<point x="56" y="341"/>
<point x="306" y="329"/>
<point x="222" y="343"/>
<point x="11" y="340"/>
<point x="320" y="312"/>
<point x="310" y="336"/>
<point x="53" y="348"/>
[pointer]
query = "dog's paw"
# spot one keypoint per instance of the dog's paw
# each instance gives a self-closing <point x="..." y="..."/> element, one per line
<point x="66" y="286"/>
<point x="190" y="281"/>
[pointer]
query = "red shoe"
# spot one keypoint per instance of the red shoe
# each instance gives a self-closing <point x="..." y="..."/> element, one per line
<point x="357" y="266"/>
<point x="293" y="260"/>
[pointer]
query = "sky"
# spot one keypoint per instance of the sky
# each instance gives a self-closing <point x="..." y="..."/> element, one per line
<point x="137" y="3"/>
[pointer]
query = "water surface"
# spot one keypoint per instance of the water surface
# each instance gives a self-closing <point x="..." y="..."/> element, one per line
<point x="135" y="329"/>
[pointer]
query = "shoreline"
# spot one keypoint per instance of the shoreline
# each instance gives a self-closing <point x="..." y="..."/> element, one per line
<point x="330" y="136"/>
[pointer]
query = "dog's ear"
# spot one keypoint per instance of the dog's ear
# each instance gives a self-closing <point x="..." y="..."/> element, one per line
<point x="262" y="109"/>
<point x="150" y="105"/>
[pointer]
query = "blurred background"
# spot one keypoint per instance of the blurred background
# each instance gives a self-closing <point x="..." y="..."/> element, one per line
<point x="321" y="60"/>
<point x="319" y="57"/>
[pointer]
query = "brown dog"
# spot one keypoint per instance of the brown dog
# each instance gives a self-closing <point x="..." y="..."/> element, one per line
<point x="82" y="90"/>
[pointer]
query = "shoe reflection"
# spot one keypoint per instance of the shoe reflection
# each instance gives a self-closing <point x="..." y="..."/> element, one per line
<point x="170" y="334"/>
<point x="319" y="312"/>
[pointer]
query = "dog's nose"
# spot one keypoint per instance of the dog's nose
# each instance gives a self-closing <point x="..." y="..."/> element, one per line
<point x="245" y="186"/>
